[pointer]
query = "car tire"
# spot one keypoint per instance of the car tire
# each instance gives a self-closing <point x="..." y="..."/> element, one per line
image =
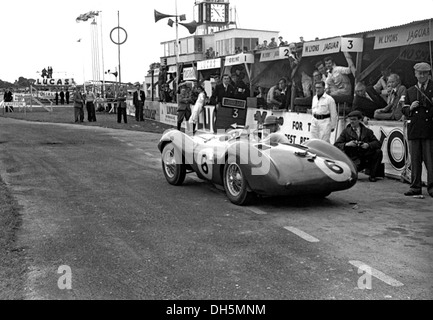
<point x="235" y="184"/>
<point x="172" y="166"/>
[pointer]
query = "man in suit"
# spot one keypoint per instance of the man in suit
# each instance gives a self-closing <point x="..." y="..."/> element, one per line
<point x="242" y="92"/>
<point x="62" y="97"/>
<point x="67" y="96"/>
<point x="367" y="100"/>
<point x="418" y="109"/>
<point x="138" y="101"/>
<point x="223" y="90"/>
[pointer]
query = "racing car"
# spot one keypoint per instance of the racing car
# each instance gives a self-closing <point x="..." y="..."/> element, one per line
<point x="245" y="166"/>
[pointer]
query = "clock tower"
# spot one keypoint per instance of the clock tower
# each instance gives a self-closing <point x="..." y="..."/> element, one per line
<point x="212" y="15"/>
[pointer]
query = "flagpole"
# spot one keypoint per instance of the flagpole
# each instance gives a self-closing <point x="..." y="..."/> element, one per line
<point x="118" y="46"/>
<point x="103" y="67"/>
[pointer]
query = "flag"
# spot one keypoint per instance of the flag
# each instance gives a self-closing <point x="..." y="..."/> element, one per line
<point x="87" y="16"/>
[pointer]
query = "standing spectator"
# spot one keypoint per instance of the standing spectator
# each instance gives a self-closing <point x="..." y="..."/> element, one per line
<point x="8" y="97"/>
<point x="90" y="106"/>
<point x="285" y="93"/>
<point x="382" y="84"/>
<point x="67" y="96"/>
<point x="184" y="107"/>
<point x="307" y="84"/>
<point x="50" y="73"/>
<point x="324" y="114"/>
<point x="367" y="100"/>
<point x="361" y="146"/>
<point x="223" y="90"/>
<point x="121" y="106"/>
<point x="265" y="44"/>
<point x="393" y="110"/>
<point x="198" y="107"/>
<point x="44" y="73"/>
<point x="282" y="43"/>
<point x="62" y="97"/>
<point x="273" y="43"/>
<point x="138" y="102"/>
<point x="338" y="81"/>
<point x="242" y="92"/>
<point x="78" y="105"/>
<point x="418" y="109"/>
<point x="57" y="98"/>
<point x="110" y="99"/>
<point x="320" y="66"/>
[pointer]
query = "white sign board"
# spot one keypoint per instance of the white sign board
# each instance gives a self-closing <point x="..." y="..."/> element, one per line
<point x="189" y="74"/>
<point x="209" y="64"/>
<point x="239" y="59"/>
<point x="54" y="82"/>
<point x="400" y="37"/>
<point x="334" y="45"/>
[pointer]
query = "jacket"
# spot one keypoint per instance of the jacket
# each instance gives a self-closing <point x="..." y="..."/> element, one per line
<point x="419" y="120"/>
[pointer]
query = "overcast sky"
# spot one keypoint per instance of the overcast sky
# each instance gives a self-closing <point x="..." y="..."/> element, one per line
<point x="38" y="34"/>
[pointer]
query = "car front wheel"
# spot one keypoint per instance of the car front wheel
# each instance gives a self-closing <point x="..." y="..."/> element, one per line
<point x="235" y="184"/>
<point x="172" y="166"/>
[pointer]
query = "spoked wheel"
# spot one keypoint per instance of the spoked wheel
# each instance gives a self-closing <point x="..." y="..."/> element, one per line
<point x="172" y="166"/>
<point x="235" y="184"/>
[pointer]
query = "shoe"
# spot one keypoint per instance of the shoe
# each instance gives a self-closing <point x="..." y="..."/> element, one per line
<point x="372" y="179"/>
<point x="412" y="192"/>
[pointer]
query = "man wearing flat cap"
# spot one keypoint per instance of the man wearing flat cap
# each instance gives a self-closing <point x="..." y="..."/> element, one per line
<point x="274" y="136"/>
<point x="361" y="145"/>
<point x="418" y="109"/>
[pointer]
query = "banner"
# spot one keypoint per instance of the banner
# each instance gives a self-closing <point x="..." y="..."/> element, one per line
<point x="333" y="45"/>
<point x="54" y="82"/>
<point x="419" y="52"/>
<point x="189" y="74"/>
<point x="399" y="37"/>
<point x="239" y="59"/>
<point x="209" y="64"/>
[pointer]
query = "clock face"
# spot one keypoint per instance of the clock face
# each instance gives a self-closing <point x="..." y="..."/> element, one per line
<point x="218" y="13"/>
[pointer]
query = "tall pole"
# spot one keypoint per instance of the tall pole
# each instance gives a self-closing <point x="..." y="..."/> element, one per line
<point x="176" y="47"/>
<point x="118" y="46"/>
<point x="103" y="68"/>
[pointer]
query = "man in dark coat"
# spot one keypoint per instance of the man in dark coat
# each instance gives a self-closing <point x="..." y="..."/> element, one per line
<point x="138" y="101"/>
<point x="8" y="97"/>
<point x="418" y="109"/>
<point x="223" y="90"/>
<point x="67" y="96"/>
<point x="367" y="100"/>
<point x="361" y="145"/>
<point x="62" y="97"/>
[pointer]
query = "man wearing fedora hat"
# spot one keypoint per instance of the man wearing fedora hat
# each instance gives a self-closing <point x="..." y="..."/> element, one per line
<point x="361" y="145"/>
<point x="418" y="109"/>
<point x="138" y="100"/>
<point x="274" y="135"/>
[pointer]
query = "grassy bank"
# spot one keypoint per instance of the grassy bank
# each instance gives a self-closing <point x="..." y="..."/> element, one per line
<point x="103" y="119"/>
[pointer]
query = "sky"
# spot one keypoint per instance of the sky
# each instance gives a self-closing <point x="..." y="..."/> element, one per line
<point x="38" y="34"/>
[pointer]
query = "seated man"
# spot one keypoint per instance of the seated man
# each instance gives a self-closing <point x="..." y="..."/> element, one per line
<point x="338" y="81"/>
<point x="393" y="110"/>
<point x="362" y="146"/>
<point x="273" y="135"/>
<point x="273" y="98"/>
<point x="367" y="100"/>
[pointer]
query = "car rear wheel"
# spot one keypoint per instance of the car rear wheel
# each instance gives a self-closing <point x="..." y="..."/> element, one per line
<point x="172" y="166"/>
<point x="235" y="184"/>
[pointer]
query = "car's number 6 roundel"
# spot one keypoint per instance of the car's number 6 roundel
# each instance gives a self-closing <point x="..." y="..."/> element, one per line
<point x="336" y="170"/>
<point x="204" y="163"/>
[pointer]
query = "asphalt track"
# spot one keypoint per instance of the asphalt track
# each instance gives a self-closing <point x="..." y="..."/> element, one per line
<point x="94" y="202"/>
